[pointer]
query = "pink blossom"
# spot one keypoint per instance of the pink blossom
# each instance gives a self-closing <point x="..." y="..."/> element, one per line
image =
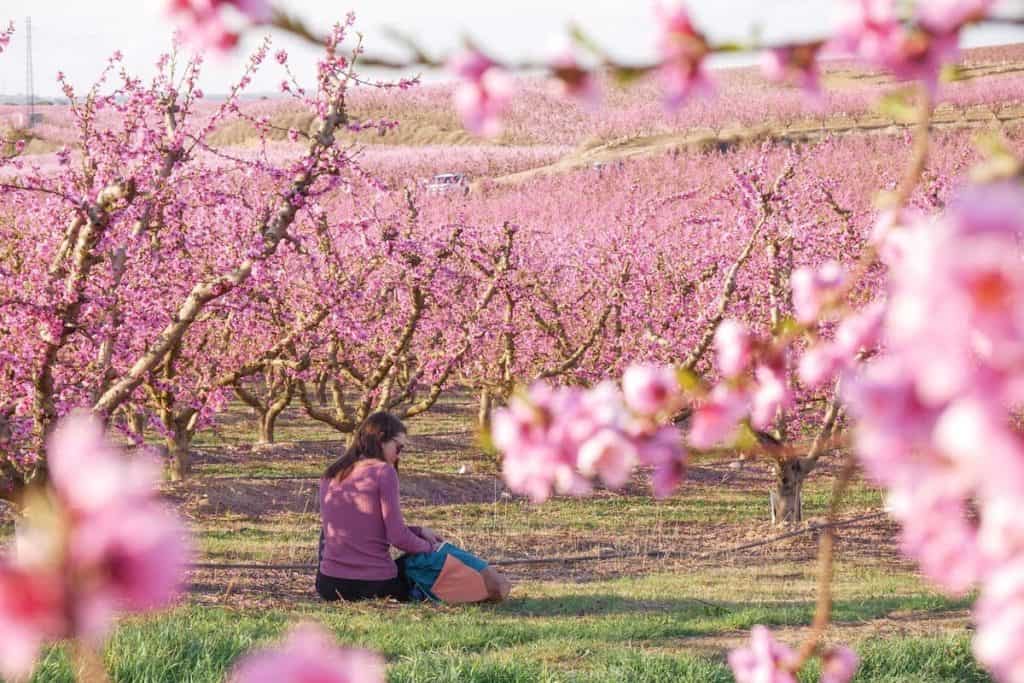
<point x="32" y="612"/>
<point x="1001" y="533"/>
<point x="999" y="613"/>
<point x="610" y="455"/>
<point x="732" y="347"/>
<point x="204" y="22"/>
<point x="771" y="394"/>
<point x="765" y="660"/>
<point x="814" y="288"/>
<point x="682" y="50"/>
<point x="89" y="473"/>
<point x="817" y="365"/>
<point x="937" y="533"/>
<point x="132" y="557"/>
<point x="958" y="284"/>
<point x="484" y="93"/>
<point x="716" y="420"/>
<point x="539" y="448"/>
<point x="651" y="389"/>
<point x="309" y="654"/>
<point x="535" y="469"/>
<point x="874" y="31"/>
<point x="517" y="425"/>
<point x="838" y="665"/>
<point x="665" y="452"/>
<point x="858" y="331"/>
<point x="973" y="420"/>
<point x="572" y="79"/>
<point x="793" y="62"/>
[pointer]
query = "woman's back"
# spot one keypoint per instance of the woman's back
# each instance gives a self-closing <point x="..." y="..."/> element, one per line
<point x="361" y="519"/>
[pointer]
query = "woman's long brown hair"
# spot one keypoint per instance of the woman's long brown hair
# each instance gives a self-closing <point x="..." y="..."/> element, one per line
<point x="368" y="444"/>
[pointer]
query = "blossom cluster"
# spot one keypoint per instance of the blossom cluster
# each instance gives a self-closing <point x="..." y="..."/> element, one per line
<point x="558" y="438"/>
<point x="308" y="654"/>
<point x="96" y="542"/>
<point x="765" y="660"/>
<point x="934" y="411"/>
<point x="755" y="381"/>
<point x="203" y="21"/>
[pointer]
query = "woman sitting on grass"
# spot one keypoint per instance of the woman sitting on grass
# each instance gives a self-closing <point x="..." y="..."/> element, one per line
<point x="361" y="517"/>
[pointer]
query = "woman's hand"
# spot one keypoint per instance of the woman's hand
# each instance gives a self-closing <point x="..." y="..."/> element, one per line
<point x="431" y="537"/>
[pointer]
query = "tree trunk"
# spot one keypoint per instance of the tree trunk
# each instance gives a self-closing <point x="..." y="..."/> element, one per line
<point x="484" y="416"/>
<point x="267" y="421"/>
<point x="178" y="454"/>
<point x="321" y="388"/>
<point x="786" y="499"/>
<point x="137" y="422"/>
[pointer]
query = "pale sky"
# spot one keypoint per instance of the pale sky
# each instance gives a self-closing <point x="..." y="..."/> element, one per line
<point x="76" y="36"/>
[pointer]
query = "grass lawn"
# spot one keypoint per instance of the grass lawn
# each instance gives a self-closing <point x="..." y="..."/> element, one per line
<point x="649" y="628"/>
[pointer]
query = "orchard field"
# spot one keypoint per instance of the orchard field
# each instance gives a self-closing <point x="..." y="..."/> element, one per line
<point x="642" y="619"/>
<point x="236" y="284"/>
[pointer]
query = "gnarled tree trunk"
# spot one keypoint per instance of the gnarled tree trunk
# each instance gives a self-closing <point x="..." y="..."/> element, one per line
<point x="786" y="498"/>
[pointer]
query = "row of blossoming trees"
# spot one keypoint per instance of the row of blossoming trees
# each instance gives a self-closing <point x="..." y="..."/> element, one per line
<point x="154" y="276"/>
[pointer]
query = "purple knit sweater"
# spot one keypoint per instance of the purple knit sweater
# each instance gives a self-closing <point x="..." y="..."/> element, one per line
<point x="361" y="518"/>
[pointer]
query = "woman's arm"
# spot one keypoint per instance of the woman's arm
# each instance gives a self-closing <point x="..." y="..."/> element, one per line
<point x="397" y="533"/>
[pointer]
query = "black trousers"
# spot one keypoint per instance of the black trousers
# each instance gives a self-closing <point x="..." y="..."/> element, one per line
<point x="331" y="588"/>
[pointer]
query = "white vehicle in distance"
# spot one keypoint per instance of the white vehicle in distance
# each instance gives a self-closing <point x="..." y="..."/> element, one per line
<point x="444" y="183"/>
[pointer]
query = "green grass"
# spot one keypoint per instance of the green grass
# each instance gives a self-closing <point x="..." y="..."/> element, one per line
<point x="646" y="629"/>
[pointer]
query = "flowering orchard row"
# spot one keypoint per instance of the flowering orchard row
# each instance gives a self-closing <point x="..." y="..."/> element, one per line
<point x="538" y="116"/>
<point x="380" y="297"/>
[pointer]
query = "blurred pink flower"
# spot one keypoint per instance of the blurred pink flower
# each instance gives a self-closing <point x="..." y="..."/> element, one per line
<point x="99" y="545"/>
<point x="859" y="331"/>
<point x="665" y="452"/>
<point x="32" y="612"/>
<point x="813" y="288"/>
<point x="999" y="614"/>
<point x="874" y="31"/>
<point x="816" y="365"/>
<point x="309" y="654"/>
<point x="763" y="661"/>
<point x="797" y="63"/>
<point x="572" y="79"/>
<point x="682" y="50"/>
<point x="771" y="394"/>
<point x="856" y="333"/>
<point x="732" y="347"/>
<point x="937" y="533"/>
<point x="651" y="389"/>
<point x="132" y="557"/>
<point x="716" y="420"/>
<point x="609" y="455"/>
<point x="90" y="474"/>
<point x="838" y="665"/>
<point x="203" y="21"/>
<point x="484" y="93"/>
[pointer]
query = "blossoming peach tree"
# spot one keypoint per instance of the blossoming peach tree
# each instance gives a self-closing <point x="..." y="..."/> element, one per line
<point x="927" y="361"/>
